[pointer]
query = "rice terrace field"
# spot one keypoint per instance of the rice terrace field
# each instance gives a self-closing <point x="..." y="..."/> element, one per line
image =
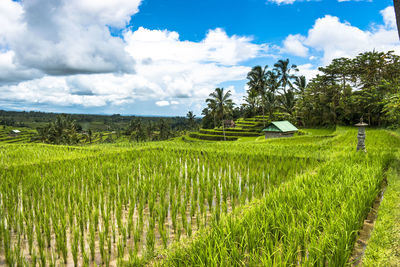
<point x="299" y="201"/>
<point x="200" y="133"/>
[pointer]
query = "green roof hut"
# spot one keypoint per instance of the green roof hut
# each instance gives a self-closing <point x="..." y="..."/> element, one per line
<point x="279" y="129"/>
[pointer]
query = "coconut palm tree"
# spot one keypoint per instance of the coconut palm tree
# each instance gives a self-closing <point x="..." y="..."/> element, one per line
<point x="221" y="105"/>
<point x="285" y="73"/>
<point x="272" y="81"/>
<point x="301" y="84"/>
<point x="191" y="117"/>
<point x="252" y="102"/>
<point x="257" y="82"/>
<point x="270" y="103"/>
<point x="287" y="101"/>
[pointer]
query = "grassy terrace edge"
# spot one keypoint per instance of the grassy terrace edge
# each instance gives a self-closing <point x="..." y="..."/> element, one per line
<point x="383" y="248"/>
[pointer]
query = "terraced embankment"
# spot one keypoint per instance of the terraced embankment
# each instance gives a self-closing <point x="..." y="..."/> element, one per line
<point x="24" y="136"/>
<point x="249" y="127"/>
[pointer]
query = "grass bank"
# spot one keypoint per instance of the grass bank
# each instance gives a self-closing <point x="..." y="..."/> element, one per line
<point x="384" y="246"/>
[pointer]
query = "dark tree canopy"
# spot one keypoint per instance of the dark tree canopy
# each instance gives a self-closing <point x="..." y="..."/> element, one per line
<point x="366" y="86"/>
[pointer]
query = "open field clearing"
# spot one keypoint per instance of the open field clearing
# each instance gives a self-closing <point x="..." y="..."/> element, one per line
<point x="294" y="201"/>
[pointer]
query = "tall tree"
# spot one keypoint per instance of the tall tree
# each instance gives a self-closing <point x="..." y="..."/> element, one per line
<point x="165" y="130"/>
<point x="392" y="109"/>
<point x="301" y="84"/>
<point x="222" y="105"/>
<point x="62" y="131"/>
<point x="252" y="101"/>
<point x="208" y="121"/>
<point x="257" y="82"/>
<point x="285" y="73"/>
<point x="191" y="119"/>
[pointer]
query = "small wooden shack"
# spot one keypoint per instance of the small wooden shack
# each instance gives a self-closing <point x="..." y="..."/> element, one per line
<point x="14" y="133"/>
<point x="279" y="129"/>
<point x="229" y="124"/>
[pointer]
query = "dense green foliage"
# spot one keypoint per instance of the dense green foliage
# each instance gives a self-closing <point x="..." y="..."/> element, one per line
<point x="345" y="90"/>
<point x="367" y="85"/>
<point x="96" y="123"/>
<point x="63" y="130"/>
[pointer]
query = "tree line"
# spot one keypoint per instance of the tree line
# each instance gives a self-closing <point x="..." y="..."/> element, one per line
<point x="95" y="122"/>
<point x="366" y="86"/>
<point x="65" y="130"/>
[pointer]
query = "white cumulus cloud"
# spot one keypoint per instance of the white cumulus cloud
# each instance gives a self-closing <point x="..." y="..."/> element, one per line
<point x="293" y="44"/>
<point x="65" y="37"/>
<point x="162" y="45"/>
<point x="333" y="38"/>
<point x="162" y="103"/>
<point x="167" y="68"/>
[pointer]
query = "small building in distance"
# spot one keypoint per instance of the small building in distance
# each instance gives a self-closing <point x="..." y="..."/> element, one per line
<point x="15" y="133"/>
<point x="279" y="129"/>
<point x="229" y="124"/>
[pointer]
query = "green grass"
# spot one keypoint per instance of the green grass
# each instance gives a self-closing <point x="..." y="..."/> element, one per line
<point x="384" y="245"/>
<point x="253" y="202"/>
<point x="320" y="131"/>
<point x="228" y="132"/>
<point x="312" y="220"/>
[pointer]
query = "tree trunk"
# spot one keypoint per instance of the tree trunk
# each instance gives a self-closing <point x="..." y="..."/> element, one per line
<point x="397" y="11"/>
<point x="223" y="128"/>
<point x="263" y="116"/>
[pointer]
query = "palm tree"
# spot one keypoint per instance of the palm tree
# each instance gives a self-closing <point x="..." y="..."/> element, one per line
<point x="257" y="82"/>
<point x="221" y="105"/>
<point x="272" y="86"/>
<point x="288" y="101"/>
<point x="272" y="81"/>
<point x="191" y="117"/>
<point x="211" y="106"/>
<point x="252" y="101"/>
<point x="270" y="103"/>
<point x="397" y="11"/>
<point x="301" y="84"/>
<point x="285" y="73"/>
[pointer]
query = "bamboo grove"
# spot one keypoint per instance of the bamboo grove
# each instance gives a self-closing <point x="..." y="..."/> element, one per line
<point x="297" y="201"/>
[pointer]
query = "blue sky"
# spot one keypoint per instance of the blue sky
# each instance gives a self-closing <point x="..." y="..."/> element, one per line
<point x="157" y="57"/>
<point x="266" y="21"/>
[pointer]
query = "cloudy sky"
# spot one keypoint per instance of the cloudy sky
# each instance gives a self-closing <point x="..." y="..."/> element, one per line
<point x="157" y="57"/>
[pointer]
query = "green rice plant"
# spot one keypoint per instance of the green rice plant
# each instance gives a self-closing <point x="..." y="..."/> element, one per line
<point x="64" y="247"/>
<point x="75" y="246"/>
<point x="109" y="249"/>
<point x="101" y="247"/>
<point x="92" y="241"/>
<point x="120" y="248"/>
<point x="134" y="260"/>
<point x="119" y="191"/>
<point x="86" y="260"/>
<point x="33" y="259"/>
